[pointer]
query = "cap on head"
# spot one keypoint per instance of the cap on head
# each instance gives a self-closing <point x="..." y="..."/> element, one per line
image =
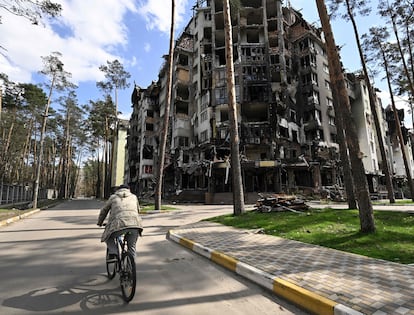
<point x="123" y="187"/>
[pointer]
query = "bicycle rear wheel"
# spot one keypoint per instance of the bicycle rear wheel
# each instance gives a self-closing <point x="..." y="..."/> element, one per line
<point x="128" y="277"/>
<point x="110" y="266"/>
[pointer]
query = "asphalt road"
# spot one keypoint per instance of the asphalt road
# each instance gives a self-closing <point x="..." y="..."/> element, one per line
<point x="53" y="262"/>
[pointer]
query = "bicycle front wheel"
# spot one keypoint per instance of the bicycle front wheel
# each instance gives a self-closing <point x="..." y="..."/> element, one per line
<point x="110" y="266"/>
<point x="128" y="277"/>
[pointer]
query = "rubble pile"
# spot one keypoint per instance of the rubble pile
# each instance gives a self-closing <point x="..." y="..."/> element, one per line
<point x="280" y="202"/>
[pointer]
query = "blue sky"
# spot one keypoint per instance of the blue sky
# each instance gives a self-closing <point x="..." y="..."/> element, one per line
<point x="91" y="32"/>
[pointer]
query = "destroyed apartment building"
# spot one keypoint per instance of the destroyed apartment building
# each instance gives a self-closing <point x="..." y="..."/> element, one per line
<point x="284" y="103"/>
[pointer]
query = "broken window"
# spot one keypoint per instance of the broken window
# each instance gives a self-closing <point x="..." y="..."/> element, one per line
<point x="313" y="98"/>
<point x="320" y="135"/>
<point x="221" y="95"/>
<point x="293" y="115"/>
<point x="204" y="136"/>
<point x="252" y="3"/>
<point x="147" y="169"/>
<point x="183" y="60"/>
<point x="276" y="76"/>
<point x="207" y="83"/>
<point x="221" y="55"/>
<point x="181" y="107"/>
<point x="272" y="26"/>
<point x="253" y="36"/>
<point x="274" y="59"/>
<point x="314" y="79"/>
<point x="308" y="60"/>
<point x="182" y="141"/>
<point x="254" y="19"/>
<point x="224" y="115"/>
<point x="295" y="136"/>
<point x="203" y="116"/>
<point x="273" y="42"/>
<point x="318" y="116"/>
<point x="283" y="132"/>
<point x="207" y="65"/>
<point x="256" y="93"/>
<point x="147" y="152"/>
<point x="149" y="127"/>
<point x="329" y="103"/>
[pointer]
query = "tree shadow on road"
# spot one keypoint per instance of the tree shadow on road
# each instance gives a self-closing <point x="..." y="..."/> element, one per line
<point x="92" y="294"/>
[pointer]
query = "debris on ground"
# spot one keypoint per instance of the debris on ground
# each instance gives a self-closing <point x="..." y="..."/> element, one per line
<point x="280" y="202"/>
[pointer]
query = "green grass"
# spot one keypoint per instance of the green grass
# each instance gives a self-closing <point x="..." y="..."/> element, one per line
<point x="151" y="207"/>
<point x="339" y="229"/>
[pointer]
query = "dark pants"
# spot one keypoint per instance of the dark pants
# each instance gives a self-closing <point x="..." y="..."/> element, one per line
<point x="131" y="238"/>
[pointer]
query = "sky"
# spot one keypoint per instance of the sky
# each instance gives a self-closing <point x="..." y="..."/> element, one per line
<point x="89" y="33"/>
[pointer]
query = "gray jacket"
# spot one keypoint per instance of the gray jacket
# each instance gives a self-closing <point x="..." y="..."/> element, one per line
<point x="123" y="208"/>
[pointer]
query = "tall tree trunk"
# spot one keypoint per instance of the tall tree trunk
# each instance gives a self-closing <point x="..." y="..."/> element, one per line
<point x="67" y="153"/>
<point x="411" y="58"/>
<point x="35" y="155"/>
<point x="98" y="179"/>
<point x="104" y="161"/>
<point x="398" y="125"/>
<point x="76" y="175"/>
<point x="164" y="132"/>
<point x="67" y="173"/>
<point x="238" y="195"/>
<point x="42" y="135"/>
<point x="343" y="109"/>
<point x="400" y="49"/>
<point x="9" y="136"/>
<point x="374" y="111"/>
<point x="106" y="170"/>
<point x="25" y="152"/>
<point x="54" y="168"/>
<point x="60" y="172"/>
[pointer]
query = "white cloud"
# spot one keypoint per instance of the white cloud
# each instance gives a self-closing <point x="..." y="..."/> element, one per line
<point x="157" y="14"/>
<point x="87" y="34"/>
<point x="147" y="47"/>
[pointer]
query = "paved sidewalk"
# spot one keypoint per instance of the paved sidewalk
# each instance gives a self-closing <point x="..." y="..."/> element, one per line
<point x="321" y="280"/>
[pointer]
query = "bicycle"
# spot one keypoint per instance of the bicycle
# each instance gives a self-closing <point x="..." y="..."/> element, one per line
<point x="124" y="264"/>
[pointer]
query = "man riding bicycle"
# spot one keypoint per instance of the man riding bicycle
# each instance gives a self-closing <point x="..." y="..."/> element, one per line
<point x="123" y="208"/>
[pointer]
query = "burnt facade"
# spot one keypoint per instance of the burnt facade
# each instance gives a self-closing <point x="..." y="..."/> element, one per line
<point x="285" y="107"/>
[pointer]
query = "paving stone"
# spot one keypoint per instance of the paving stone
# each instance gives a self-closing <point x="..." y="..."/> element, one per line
<point x="370" y="286"/>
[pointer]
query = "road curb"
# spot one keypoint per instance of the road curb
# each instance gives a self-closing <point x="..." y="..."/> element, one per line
<point x="18" y="217"/>
<point x="306" y="299"/>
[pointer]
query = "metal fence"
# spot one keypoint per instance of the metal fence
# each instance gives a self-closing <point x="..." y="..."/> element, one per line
<point x="10" y="194"/>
